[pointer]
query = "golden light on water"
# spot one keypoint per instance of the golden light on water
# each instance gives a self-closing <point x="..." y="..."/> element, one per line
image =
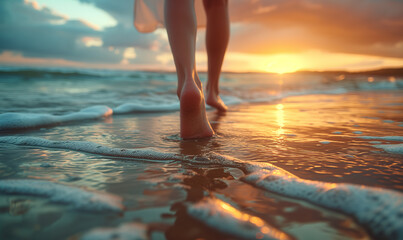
<point x="280" y="119"/>
<point x="262" y="228"/>
<point x="329" y="186"/>
<point x="239" y="215"/>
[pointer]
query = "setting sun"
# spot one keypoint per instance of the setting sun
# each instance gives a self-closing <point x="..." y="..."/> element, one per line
<point x="284" y="63"/>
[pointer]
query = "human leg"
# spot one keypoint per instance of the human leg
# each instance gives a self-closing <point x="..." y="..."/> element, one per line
<point x="217" y="37"/>
<point x="180" y="21"/>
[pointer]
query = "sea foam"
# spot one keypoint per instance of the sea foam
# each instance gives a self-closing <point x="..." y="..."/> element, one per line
<point x="76" y="197"/>
<point x="380" y="210"/>
<point x="386" y="138"/>
<point x="90" y="147"/>
<point x="30" y="120"/>
<point x="391" y="148"/>
<point x="229" y="220"/>
<point x="141" y="107"/>
<point x="134" y="231"/>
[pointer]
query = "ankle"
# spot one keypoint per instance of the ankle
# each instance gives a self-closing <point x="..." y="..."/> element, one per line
<point x="212" y="90"/>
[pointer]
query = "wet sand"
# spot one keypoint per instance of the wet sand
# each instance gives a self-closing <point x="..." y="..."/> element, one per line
<point x="315" y="137"/>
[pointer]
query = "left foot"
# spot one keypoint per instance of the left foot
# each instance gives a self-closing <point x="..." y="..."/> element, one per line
<point x="214" y="100"/>
<point x="193" y="117"/>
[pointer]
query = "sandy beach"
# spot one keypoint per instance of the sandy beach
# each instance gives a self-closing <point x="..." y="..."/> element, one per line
<point x="294" y="168"/>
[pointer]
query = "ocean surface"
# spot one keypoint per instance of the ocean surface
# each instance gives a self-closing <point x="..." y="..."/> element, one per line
<point x="96" y="154"/>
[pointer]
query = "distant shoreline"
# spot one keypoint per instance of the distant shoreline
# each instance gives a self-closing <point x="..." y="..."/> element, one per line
<point x="396" y="72"/>
<point x="376" y="72"/>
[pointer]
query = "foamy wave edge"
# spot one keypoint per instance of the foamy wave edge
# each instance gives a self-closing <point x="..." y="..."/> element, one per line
<point x="30" y="120"/>
<point x="391" y="148"/>
<point x="88" y="200"/>
<point x="386" y="138"/>
<point x="90" y="147"/>
<point x="380" y="210"/>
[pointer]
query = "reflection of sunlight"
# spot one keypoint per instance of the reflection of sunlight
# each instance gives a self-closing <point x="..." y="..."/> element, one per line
<point x="239" y="215"/>
<point x="280" y="119"/>
<point x="108" y="120"/>
<point x="247" y="220"/>
<point x="329" y="186"/>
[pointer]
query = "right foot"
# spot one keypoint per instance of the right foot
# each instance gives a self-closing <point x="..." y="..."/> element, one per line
<point x="214" y="100"/>
<point x="193" y="117"/>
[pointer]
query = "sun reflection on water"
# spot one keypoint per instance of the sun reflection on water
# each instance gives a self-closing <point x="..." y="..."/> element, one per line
<point x="280" y="119"/>
<point x="262" y="227"/>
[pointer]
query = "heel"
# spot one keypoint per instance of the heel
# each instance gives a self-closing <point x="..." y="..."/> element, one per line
<point x="190" y="99"/>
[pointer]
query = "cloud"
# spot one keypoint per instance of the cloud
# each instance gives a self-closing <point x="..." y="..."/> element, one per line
<point x="368" y="27"/>
<point x="121" y="10"/>
<point x="30" y="30"/>
<point x="38" y="32"/>
<point x="19" y="11"/>
<point x="124" y="34"/>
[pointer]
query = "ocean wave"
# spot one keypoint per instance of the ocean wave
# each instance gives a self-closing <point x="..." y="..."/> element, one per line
<point x="225" y="218"/>
<point x="90" y="147"/>
<point x="79" y="73"/>
<point x="15" y="121"/>
<point x="163" y="105"/>
<point x="380" y="210"/>
<point x="30" y="120"/>
<point x="154" y="93"/>
<point x="58" y="193"/>
<point x="55" y="73"/>
<point x="46" y="73"/>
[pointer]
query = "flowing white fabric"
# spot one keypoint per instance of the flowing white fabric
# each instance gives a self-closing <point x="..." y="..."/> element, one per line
<point x="149" y="14"/>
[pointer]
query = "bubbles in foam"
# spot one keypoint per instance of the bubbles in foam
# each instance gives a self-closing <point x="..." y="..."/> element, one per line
<point x="77" y="198"/>
<point x="124" y="231"/>
<point x="391" y="148"/>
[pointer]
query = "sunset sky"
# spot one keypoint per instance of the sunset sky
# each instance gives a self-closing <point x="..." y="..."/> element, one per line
<point x="266" y="35"/>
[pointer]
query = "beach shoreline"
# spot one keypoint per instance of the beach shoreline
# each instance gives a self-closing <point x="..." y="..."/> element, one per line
<point x="161" y="180"/>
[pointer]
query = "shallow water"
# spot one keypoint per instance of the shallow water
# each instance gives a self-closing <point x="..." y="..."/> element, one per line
<point x="315" y="137"/>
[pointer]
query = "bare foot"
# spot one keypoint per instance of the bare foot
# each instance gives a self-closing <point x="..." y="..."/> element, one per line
<point x="193" y="117"/>
<point x="214" y="100"/>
